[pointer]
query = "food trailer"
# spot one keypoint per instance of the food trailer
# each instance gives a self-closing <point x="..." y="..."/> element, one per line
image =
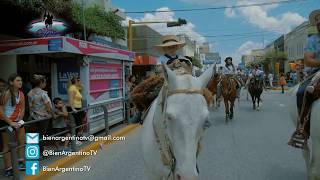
<point x="101" y="70"/>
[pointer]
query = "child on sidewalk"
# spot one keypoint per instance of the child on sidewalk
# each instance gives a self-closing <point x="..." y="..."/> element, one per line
<point x="60" y="121"/>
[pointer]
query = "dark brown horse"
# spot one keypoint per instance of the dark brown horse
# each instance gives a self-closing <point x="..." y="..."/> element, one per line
<point x="255" y="89"/>
<point x="229" y="93"/>
<point x="213" y="86"/>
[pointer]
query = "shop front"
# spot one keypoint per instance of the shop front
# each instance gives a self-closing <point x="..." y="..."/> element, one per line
<point x="102" y="71"/>
<point x="143" y="66"/>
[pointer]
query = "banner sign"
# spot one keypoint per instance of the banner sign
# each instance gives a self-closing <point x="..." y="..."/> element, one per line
<point x="105" y="79"/>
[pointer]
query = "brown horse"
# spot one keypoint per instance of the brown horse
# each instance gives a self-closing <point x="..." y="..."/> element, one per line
<point x="213" y="86"/>
<point x="229" y="93"/>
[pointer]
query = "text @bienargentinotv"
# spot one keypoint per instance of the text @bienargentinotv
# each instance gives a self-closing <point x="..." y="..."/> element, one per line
<point x="64" y="169"/>
<point x="47" y="153"/>
<point x="83" y="138"/>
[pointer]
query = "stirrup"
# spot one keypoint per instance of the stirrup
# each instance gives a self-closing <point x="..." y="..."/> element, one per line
<point x="299" y="140"/>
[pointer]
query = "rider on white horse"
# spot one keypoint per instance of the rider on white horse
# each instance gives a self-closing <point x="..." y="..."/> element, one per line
<point x="312" y="63"/>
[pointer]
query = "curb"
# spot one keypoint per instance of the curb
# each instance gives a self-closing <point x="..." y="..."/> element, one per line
<point x="68" y="161"/>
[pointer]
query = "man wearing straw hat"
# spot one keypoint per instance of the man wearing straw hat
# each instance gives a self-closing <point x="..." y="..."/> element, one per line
<point x="169" y="47"/>
<point x="146" y="91"/>
<point x="307" y="87"/>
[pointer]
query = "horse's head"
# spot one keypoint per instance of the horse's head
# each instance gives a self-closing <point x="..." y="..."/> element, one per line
<point x="185" y="113"/>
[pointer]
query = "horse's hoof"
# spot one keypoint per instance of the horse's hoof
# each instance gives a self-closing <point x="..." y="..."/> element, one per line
<point x="258" y="109"/>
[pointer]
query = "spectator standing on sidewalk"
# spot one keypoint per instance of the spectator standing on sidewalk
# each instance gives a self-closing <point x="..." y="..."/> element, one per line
<point x="283" y="82"/>
<point x="12" y="109"/>
<point x="60" y="122"/>
<point x="270" y="77"/>
<point x="75" y="102"/>
<point x="40" y="106"/>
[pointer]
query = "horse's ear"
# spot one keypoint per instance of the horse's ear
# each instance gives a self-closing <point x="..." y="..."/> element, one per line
<point x="169" y="75"/>
<point x="207" y="75"/>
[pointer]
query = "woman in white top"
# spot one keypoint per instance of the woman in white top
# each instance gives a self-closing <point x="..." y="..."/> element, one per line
<point x="229" y="68"/>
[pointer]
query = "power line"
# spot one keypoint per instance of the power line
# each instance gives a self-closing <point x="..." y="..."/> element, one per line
<point x="248" y="34"/>
<point x="214" y="8"/>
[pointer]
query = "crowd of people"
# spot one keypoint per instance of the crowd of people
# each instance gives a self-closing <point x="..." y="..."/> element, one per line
<point x="36" y="104"/>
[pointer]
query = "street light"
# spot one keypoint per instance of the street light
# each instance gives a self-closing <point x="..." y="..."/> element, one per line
<point x="180" y="22"/>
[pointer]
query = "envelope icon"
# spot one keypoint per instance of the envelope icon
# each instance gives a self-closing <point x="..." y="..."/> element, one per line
<point x="32" y="138"/>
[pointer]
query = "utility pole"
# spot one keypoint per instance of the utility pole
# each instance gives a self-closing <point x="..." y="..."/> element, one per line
<point x="84" y="22"/>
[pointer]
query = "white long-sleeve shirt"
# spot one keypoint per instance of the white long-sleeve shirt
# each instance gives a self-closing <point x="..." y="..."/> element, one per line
<point x="229" y="70"/>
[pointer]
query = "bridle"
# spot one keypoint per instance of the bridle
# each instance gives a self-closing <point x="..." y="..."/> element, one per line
<point x="160" y="126"/>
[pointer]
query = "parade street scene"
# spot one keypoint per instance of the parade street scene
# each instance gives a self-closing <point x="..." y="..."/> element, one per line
<point x="160" y="90"/>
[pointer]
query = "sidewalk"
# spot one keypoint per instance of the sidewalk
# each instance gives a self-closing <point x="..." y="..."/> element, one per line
<point x="67" y="161"/>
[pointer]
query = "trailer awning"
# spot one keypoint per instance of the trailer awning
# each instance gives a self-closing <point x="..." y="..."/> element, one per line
<point x="62" y="45"/>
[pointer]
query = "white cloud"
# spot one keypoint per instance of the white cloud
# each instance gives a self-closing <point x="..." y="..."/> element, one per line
<point x="257" y="15"/>
<point x="229" y="12"/>
<point x="260" y="17"/>
<point x="187" y="29"/>
<point x="244" y="49"/>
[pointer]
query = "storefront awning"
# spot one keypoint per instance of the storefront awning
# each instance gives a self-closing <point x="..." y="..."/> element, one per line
<point x="62" y="45"/>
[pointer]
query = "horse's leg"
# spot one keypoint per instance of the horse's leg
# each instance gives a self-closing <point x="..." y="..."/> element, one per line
<point x="226" y="104"/>
<point x="231" y="108"/>
<point x="253" y="101"/>
<point x="258" y="102"/>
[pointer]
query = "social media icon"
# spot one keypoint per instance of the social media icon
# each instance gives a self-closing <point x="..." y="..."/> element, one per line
<point x="32" y="168"/>
<point x="32" y="151"/>
<point x="32" y="138"/>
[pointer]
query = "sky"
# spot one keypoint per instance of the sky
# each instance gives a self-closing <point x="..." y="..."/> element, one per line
<point x="232" y="31"/>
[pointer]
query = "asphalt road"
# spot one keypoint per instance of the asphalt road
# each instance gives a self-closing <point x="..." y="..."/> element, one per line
<point x="252" y="147"/>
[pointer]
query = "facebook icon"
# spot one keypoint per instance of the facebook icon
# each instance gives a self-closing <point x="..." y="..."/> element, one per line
<point x="32" y="168"/>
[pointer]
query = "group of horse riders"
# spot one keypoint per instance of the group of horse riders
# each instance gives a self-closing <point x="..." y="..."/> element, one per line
<point x="183" y="65"/>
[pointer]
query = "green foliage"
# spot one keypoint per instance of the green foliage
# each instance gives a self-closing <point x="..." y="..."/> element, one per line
<point x="38" y="6"/>
<point x="98" y="21"/>
<point x="273" y="56"/>
<point x="196" y="62"/>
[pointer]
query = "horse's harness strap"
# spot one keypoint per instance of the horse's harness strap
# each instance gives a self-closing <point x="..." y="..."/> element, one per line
<point x="186" y="91"/>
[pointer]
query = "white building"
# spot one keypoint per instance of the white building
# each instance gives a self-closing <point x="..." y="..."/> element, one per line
<point x="295" y="42"/>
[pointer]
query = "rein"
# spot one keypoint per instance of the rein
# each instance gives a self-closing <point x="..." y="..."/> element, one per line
<point x="160" y="125"/>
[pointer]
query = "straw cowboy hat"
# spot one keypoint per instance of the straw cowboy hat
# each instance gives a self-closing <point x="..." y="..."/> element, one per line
<point x="170" y="40"/>
<point x="313" y="15"/>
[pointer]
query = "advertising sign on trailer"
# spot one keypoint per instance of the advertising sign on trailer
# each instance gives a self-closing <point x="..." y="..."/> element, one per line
<point x="105" y="88"/>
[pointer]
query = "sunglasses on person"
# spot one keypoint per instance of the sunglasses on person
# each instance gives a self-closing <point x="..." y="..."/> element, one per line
<point x="187" y="61"/>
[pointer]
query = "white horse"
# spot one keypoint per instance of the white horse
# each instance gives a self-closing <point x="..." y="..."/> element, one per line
<point x="311" y="156"/>
<point x="173" y="127"/>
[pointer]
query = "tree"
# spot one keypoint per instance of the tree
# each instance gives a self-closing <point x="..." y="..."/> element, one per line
<point x="271" y="57"/>
<point x="99" y="21"/>
<point x="196" y="62"/>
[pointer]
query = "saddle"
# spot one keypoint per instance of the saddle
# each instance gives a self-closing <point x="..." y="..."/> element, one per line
<point x="299" y="138"/>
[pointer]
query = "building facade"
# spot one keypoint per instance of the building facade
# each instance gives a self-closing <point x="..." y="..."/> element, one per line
<point x="190" y="48"/>
<point x="295" y="42"/>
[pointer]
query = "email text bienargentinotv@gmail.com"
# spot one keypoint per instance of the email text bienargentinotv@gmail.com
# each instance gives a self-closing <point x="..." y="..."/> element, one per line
<point x="83" y="138"/>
